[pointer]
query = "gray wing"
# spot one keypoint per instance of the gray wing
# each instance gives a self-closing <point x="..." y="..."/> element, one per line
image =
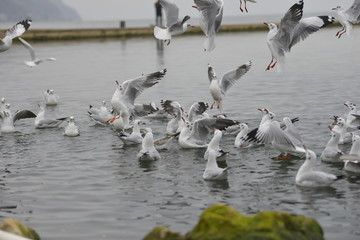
<point x="353" y="13"/>
<point x="232" y="76"/>
<point x="134" y="87"/>
<point x="209" y="10"/>
<point x="171" y="107"/>
<point x="18" y="29"/>
<point x="288" y="23"/>
<point x="171" y="11"/>
<point x="271" y="132"/>
<point x="292" y="132"/>
<point x="203" y="127"/>
<point x="23" y="114"/>
<point x="308" y="26"/>
<point x="29" y="48"/>
<point x="197" y="109"/>
<point x="218" y="18"/>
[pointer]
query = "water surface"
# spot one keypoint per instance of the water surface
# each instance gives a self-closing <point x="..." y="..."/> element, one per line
<point x="92" y="187"/>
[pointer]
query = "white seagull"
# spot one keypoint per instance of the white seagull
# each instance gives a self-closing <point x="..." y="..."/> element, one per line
<point x="71" y="130"/>
<point x="214" y="145"/>
<point x="125" y="94"/>
<point x="348" y="17"/>
<point x="41" y="122"/>
<point x="332" y="153"/>
<point x="34" y="60"/>
<point x="7" y="119"/>
<point x="101" y="114"/>
<point x="174" y="109"/>
<point x="148" y="151"/>
<point x="51" y="98"/>
<point x="195" y="135"/>
<point x="352" y="160"/>
<point x="218" y="88"/>
<point x="307" y="177"/>
<point x="212" y="170"/>
<point x="292" y="30"/>
<point x="14" y="32"/>
<point x="173" y="25"/>
<point x="239" y="140"/>
<point x="211" y="13"/>
<point x="241" y="9"/>
<point x="135" y="137"/>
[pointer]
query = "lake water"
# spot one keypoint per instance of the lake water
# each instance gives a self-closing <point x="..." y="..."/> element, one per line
<point x="92" y="187"/>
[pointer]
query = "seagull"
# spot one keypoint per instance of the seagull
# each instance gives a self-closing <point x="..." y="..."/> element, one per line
<point x="125" y="94"/>
<point x="174" y="109"/>
<point x="211" y="13"/>
<point x="341" y="126"/>
<point x="285" y="141"/>
<point x="195" y="135"/>
<point x="142" y="110"/>
<point x="34" y="60"/>
<point x="51" y="98"/>
<point x="242" y="10"/>
<point x="348" y="17"/>
<point x="135" y="137"/>
<point x="352" y="160"/>
<point x="307" y="177"/>
<point x="292" y="30"/>
<point x="100" y="115"/>
<point x="239" y="140"/>
<point x="16" y="31"/>
<point x="173" y="25"/>
<point x="148" y="151"/>
<point x="71" y="130"/>
<point x="332" y="152"/>
<point x="7" y="119"/>
<point x="214" y="145"/>
<point x="41" y="122"/>
<point x="219" y="88"/>
<point x="212" y="170"/>
<point x="120" y="122"/>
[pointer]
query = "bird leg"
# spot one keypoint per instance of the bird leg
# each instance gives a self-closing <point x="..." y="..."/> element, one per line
<point x="286" y="157"/>
<point x="337" y="34"/>
<point x="241" y="7"/>
<point x="167" y="41"/>
<point x="212" y="105"/>
<point x="272" y="66"/>
<point x="342" y="33"/>
<point x="245" y="6"/>
<point x="269" y="66"/>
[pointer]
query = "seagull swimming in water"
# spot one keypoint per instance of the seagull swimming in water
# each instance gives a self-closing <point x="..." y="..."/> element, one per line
<point x="307" y="177"/>
<point x="211" y="13"/>
<point x="218" y="88"/>
<point x="292" y="29"/>
<point x="51" y="98"/>
<point x="214" y="145"/>
<point x="352" y="160"/>
<point x="71" y="130"/>
<point x="332" y="153"/>
<point x="7" y="119"/>
<point x="173" y="25"/>
<point x="34" y="60"/>
<point x="16" y="31"/>
<point x="348" y="17"/>
<point x="41" y="122"/>
<point x="148" y="151"/>
<point x="135" y="137"/>
<point x="212" y="170"/>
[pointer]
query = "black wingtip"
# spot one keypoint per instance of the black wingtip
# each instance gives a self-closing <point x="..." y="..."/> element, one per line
<point x="26" y="23"/>
<point x="326" y="20"/>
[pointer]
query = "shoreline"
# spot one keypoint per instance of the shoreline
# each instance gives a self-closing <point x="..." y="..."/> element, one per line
<point x="124" y="33"/>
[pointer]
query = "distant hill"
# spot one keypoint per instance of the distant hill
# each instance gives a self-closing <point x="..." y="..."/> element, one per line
<point x="37" y="10"/>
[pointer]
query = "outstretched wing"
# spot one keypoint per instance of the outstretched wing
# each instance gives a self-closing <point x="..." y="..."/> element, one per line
<point x="209" y="10"/>
<point x="23" y="114"/>
<point x="232" y="76"/>
<point x="171" y="12"/>
<point x="29" y="48"/>
<point x="353" y="13"/>
<point x="18" y="29"/>
<point x="308" y="26"/>
<point x="197" y="109"/>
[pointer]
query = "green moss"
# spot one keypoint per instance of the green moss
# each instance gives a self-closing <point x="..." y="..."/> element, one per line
<point x="220" y="222"/>
<point x="163" y="233"/>
<point x="17" y="228"/>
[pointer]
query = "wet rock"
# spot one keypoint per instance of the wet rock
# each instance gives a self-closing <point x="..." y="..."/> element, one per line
<point x="17" y="228"/>
<point x="163" y="233"/>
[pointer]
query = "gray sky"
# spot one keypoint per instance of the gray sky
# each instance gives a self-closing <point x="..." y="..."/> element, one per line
<point x="144" y="9"/>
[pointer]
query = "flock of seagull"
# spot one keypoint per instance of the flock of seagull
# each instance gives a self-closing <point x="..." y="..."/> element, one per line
<point x="193" y="128"/>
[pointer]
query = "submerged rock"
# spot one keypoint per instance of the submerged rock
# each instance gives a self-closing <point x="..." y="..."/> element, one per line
<point x="221" y="222"/>
<point x="13" y="226"/>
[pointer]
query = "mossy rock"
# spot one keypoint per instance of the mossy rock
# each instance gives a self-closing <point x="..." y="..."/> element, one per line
<point x="221" y="222"/>
<point x="163" y="233"/>
<point x="13" y="226"/>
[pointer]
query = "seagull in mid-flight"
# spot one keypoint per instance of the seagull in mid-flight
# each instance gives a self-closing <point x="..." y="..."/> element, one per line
<point x="218" y="88"/>
<point x="292" y="29"/>
<point x="174" y="26"/>
<point x="348" y="17"/>
<point x="16" y="31"/>
<point x="211" y="13"/>
<point x="34" y="60"/>
<point x="241" y="9"/>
